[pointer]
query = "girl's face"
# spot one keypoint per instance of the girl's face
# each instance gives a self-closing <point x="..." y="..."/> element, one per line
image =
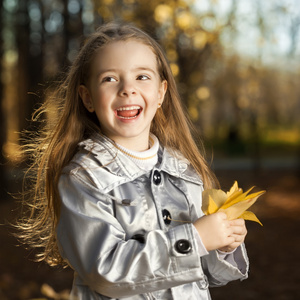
<point x="124" y="91"/>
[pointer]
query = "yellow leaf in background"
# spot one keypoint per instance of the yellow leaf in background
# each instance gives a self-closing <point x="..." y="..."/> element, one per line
<point x="184" y="20"/>
<point x="203" y="93"/>
<point x="175" y="69"/>
<point x="162" y="13"/>
<point x="48" y="291"/>
<point x="200" y="39"/>
<point x="234" y="203"/>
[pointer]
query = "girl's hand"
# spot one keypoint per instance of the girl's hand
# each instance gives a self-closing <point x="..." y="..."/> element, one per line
<point x="217" y="232"/>
<point x="239" y="233"/>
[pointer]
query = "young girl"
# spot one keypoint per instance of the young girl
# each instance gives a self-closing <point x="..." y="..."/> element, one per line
<point x="119" y="181"/>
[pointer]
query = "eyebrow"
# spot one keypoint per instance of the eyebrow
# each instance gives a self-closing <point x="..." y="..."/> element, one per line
<point x="105" y="71"/>
<point x="142" y="68"/>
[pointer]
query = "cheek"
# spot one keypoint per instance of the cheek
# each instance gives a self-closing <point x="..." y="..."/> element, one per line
<point x="153" y="92"/>
<point x="100" y="98"/>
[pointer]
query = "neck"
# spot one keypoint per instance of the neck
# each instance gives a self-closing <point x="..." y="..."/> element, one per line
<point x="144" y="159"/>
<point x="135" y="144"/>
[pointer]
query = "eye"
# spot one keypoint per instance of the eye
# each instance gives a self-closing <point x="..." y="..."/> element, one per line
<point x="143" y="77"/>
<point x="109" y="79"/>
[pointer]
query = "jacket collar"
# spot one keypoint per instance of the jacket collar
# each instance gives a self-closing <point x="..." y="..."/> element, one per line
<point x="117" y="163"/>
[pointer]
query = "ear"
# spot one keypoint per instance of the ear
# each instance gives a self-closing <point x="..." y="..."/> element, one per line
<point x="162" y="91"/>
<point x="86" y="98"/>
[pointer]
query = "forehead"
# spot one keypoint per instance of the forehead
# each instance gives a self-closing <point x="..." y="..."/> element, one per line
<point x="124" y="54"/>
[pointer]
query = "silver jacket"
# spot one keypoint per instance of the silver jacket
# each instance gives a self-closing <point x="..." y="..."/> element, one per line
<point x="127" y="232"/>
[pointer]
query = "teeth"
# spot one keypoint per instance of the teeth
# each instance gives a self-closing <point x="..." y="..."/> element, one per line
<point x="127" y="118"/>
<point x="128" y="108"/>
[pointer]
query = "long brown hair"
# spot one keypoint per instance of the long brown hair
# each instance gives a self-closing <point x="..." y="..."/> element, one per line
<point x="70" y="123"/>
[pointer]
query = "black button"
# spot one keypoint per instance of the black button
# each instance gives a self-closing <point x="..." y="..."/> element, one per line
<point x="166" y="216"/>
<point x="183" y="246"/>
<point x="156" y="177"/>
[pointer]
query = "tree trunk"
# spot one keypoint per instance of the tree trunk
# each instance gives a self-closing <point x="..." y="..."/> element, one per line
<point x="30" y="66"/>
<point x="24" y="73"/>
<point x="3" y="177"/>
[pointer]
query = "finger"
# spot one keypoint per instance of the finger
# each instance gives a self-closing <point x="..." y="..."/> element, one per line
<point x="237" y="222"/>
<point x="230" y="240"/>
<point x="238" y="238"/>
<point x="241" y="230"/>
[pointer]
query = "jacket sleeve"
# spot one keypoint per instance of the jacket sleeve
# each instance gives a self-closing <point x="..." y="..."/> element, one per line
<point x="220" y="271"/>
<point x="94" y="243"/>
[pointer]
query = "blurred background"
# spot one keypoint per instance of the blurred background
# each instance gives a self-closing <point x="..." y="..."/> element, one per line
<point x="237" y="65"/>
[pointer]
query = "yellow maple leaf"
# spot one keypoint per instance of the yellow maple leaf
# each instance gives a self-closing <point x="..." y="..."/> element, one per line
<point x="234" y="203"/>
<point x="212" y="206"/>
<point x="249" y="215"/>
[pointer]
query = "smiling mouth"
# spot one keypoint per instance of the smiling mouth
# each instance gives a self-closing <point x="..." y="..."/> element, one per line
<point x="128" y="112"/>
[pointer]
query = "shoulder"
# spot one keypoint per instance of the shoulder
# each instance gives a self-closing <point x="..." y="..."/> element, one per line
<point x="100" y="164"/>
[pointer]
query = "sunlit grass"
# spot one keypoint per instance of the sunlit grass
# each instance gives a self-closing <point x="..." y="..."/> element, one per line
<point x="283" y="136"/>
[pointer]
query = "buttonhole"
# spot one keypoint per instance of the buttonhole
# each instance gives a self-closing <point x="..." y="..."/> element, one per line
<point x="170" y="219"/>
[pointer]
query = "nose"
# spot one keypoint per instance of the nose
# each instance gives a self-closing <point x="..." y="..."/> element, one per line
<point x="127" y="88"/>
